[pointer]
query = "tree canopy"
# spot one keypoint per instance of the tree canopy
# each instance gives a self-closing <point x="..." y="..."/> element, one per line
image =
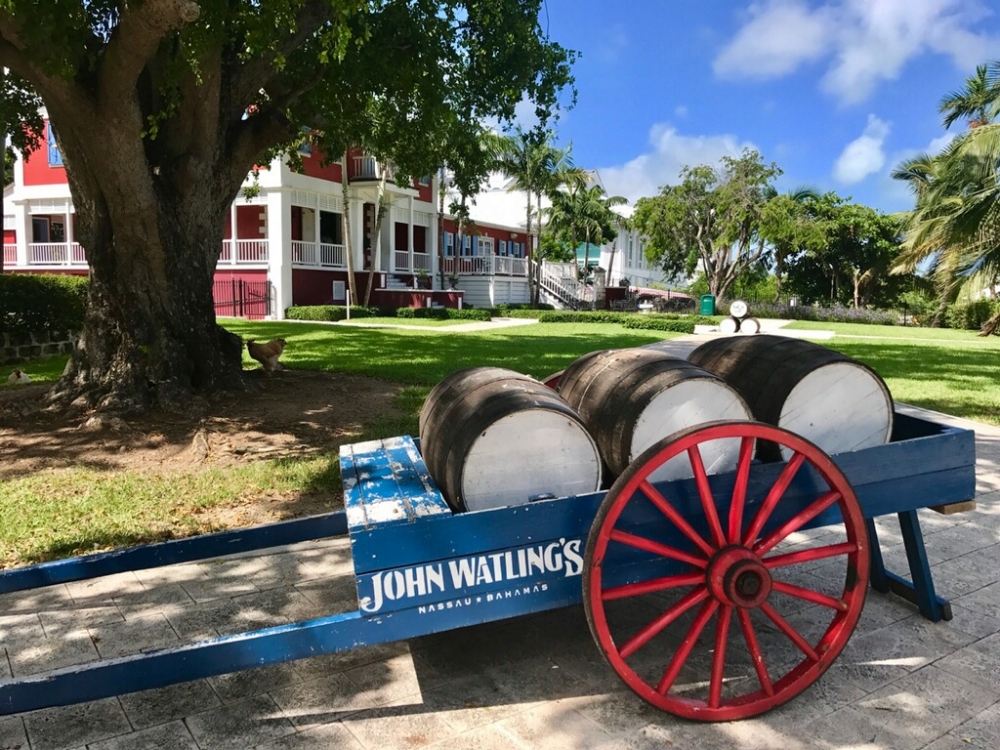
<point x="712" y="218"/>
<point x="162" y="108"/>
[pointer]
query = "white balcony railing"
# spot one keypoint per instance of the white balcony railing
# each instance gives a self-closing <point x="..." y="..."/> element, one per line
<point x="401" y="260"/>
<point x="243" y="252"/>
<point x="485" y="265"/>
<point x="421" y="262"/>
<point x="322" y="255"/>
<point x="369" y="168"/>
<point x="9" y="255"/>
<point x="53" y="254"/>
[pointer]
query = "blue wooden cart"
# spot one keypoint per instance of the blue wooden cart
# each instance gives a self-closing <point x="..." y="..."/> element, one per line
<point x="777" y="556"/>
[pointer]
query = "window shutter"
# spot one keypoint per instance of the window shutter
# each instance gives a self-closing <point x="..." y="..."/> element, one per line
<point x="475" y="246"/>
<point x="55" y="155"/>
<point x="503" y="247"/>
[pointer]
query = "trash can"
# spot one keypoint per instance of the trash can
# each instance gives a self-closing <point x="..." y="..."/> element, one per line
<point x="708" y="304"/>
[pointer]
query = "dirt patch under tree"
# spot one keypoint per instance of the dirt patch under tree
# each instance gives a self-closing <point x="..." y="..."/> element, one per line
<point x="294" y="413"/>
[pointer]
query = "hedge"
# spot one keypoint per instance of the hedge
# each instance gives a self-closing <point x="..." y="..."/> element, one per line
<point x="658" y="323"/>
<point x="970" y="315"/>
<point x="339" y="312"/>
<point x="836" y="314"/>
<point x="42" y="303"/>
<point x="443" y="313"/>
<point x="330" y="312"/>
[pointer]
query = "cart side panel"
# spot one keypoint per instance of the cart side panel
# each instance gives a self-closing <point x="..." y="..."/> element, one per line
<point x="892" y="478"/>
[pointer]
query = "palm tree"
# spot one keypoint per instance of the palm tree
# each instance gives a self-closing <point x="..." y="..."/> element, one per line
<point x="955" y="222"/>
<point x="536" y="167"/>
<point x="979" y="100"/>
<point x="585" y="212"/>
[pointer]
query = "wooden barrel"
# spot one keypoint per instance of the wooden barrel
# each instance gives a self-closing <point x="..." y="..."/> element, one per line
<point x="630" y="398"/>
<point x="493" y="437"/>
<point x="825" y="396"/>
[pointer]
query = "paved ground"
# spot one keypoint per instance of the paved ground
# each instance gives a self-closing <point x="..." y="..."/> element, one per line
<point x="536" y="682"/>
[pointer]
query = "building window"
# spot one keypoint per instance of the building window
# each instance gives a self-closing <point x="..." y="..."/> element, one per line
<point x="425" y="180"/>
<point x="55" y="155"/>
<point x="485" y="246"/>
<point x="503" y="247"/>
<point x="467" y="245"/>
<point x="449" y="243"/>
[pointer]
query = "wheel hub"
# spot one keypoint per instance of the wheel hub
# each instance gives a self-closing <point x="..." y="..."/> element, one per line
<point x="737" y="577"/>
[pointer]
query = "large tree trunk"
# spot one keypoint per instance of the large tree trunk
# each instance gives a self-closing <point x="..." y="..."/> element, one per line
<point x="152" y="236"/>
<point x="149" y="334"/>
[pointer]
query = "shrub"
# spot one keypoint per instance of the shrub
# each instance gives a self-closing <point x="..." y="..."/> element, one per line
<point x="329" y="312"/>
<point x="835" y="314"/>
<point x="658" y="323"/>
<point x="42" y="303"/>
<point x="970" y="315"/>
<point x="443" y="313"/>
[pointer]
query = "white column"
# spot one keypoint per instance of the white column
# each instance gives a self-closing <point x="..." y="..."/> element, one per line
<point x="22" y="224"/>
<point x="68" y="231"/>
<point x="409" y="230"/>
<point x="316" y="236"/>
<point x="434" y="249"/>
<point x="357" y="208"/>
<point x="279" y="250"/>
<point x="232" y="232"/>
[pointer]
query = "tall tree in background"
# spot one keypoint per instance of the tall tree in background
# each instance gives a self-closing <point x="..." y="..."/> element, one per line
<point x="536" y="167"/>
<point x="584" y="213"/>
<point x="955" y="224"/>
<point x="787" y="225"/>
<point x="162" y="107"/>
<point x="712" y="219"/>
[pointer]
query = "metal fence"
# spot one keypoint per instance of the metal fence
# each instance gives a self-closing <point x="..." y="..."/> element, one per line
<point x="237" y="298"/>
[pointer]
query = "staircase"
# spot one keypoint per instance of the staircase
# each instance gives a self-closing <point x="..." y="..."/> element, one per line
<point x="568" y="292"/>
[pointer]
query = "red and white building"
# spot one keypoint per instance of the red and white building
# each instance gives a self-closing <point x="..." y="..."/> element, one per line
<point x="289" y="238"/>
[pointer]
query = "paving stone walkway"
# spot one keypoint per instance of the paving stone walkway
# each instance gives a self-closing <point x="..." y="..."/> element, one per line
<point x="902" y="683"/>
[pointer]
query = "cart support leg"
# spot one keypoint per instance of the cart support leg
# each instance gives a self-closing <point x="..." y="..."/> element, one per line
<point x="920" y="590"/>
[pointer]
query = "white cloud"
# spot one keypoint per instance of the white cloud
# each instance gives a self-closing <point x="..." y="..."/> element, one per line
<point x="645" y="174"/>
<point x="864" y="41"/>
<point x="614" y="43"/>
<point x="864" y="155"/>
<point x="681" y="111"/>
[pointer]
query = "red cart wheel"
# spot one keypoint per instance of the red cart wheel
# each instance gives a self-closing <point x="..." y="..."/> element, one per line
<point x="552" y="381"/>
<point x="663" y="563"/>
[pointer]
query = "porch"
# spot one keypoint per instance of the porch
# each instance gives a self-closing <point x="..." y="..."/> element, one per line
<point x="485" y="265"/>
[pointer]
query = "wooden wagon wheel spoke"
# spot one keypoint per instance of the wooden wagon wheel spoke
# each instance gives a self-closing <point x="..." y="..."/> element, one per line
<point x="797" y="522"/>
<point x="656" y="548"/>
<point x="705" y="493"/>
<point x="637" y="559"/>
<point x="793" y="635"/>
<point x="650" y="631"/>
<point x="809" y="595"/>
<point x="740" y="490"/>
<point x="681" y="655"/>
<point x="676" y="518"/>
<point x="649" y="587"/>
<point x="753" y="646"/>
<point x="719" y="656"/>
<point x="809" y="555"/>
<point x="776" y="493"/>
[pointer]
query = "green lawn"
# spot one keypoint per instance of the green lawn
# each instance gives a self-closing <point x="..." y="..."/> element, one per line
<point x="427" y="322"/>
<point x="39" y="370"/>
<point x="426" y="357"/>
<point x="897" y="332"/>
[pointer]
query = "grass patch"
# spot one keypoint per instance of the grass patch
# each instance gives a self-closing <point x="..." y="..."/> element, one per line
<point x="429" y="322"/>
<point x="426" y="357"/>
<point x="897" y="332"/>
<point x="41" y="370"/>
<point x="954" y="377"/>
<point x="61" y="513"/>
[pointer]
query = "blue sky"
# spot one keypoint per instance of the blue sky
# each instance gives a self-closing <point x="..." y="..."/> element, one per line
<point x="836" y="92"/>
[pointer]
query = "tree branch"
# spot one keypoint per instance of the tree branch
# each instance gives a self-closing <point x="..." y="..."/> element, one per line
<point x="251" y="137"/>
<point x="135" y="40"/>
<point x="254" y="75"/>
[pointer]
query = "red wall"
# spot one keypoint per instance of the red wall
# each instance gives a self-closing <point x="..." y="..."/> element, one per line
<point x="312" y="167"/>
<point x="426" y="192"/>
<point x="315" y="287"/>
<point x="519" y="235"/>
<point x="240" y="275"/>
<point x="249" y="223"/>
<point x="36" y="167"/>
<point x="414" y="298"/>
<point x="9" y="236"/>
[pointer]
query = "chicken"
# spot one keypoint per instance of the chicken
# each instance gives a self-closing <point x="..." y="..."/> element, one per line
<point x="18" y="377"/>
<point x="267" y="354"/>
